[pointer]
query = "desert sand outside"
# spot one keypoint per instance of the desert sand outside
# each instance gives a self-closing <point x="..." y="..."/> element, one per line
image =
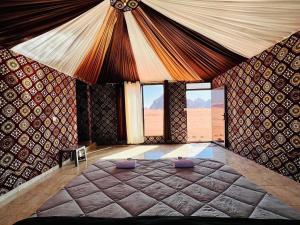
<point x="199" y="125"/>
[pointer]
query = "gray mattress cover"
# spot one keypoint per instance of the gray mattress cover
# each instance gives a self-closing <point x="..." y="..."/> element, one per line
<point x="210" y="189"/>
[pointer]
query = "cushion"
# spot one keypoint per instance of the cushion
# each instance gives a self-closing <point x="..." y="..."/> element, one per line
<point x="183" y="163"/>
<point x="126" y="164"/>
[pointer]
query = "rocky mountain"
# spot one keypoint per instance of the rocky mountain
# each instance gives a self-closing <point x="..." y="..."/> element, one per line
<point x="197" y="103"/>
<point x="157" y="103"/>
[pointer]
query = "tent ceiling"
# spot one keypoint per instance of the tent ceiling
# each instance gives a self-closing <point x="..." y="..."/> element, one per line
<point x="147" y="41"/>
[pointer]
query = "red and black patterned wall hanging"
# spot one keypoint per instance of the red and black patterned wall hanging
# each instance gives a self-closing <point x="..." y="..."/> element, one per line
<point x="37" y="118"/>
<point x="151" y="140"/>
<point x="178" y="119"/>
<point x="104" y="114"/>
<point x="263" y="107"/>
<point x="83" y="112"/>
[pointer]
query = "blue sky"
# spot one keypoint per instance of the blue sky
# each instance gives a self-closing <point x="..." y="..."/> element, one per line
<point x="204" y="94"/>
<point x="153" y="92"/>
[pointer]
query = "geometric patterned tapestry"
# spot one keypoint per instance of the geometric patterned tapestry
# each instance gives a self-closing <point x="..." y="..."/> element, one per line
<point x="178" y="119"/>
<point x="37" y="118"/>
<point x="263" y="107"/>
<point x="154" y="140"/>
<point x="104" y="114"/>
<point x="83" y="111"/>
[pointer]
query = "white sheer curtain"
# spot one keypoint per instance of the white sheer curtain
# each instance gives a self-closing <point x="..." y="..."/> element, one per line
<point x="134" y="113"/>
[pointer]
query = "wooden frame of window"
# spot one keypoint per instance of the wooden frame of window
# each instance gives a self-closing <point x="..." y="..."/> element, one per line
<point x="226" y="141"/>
<point x="197" y="89"/>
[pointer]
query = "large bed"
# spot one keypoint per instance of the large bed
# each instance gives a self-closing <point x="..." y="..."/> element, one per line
<point x="156" y="188"/>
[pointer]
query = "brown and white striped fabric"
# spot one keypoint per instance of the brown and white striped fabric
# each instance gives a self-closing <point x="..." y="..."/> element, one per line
<point x="159" y="40"/>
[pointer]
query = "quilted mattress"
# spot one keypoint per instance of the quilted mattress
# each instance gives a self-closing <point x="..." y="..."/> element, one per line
<point x="156" y="188"/>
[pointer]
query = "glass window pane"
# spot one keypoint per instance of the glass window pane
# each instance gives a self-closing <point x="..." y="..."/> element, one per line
<point x="193" y="86"/>
<point x="198" y="115"/>
<point x="218" y="113"/>
<point x="153" y="99"/>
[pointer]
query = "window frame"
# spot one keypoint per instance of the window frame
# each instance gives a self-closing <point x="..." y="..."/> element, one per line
<point x="196" y="89"/>
<point x="143" y="108"/>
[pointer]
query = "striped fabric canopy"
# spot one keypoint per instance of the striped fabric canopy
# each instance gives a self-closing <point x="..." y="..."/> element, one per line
<point x="150" y="40"/>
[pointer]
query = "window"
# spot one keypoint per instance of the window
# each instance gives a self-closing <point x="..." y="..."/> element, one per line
<point x="198" y="86"/>
<point x="153" y="104"/>
<point x="198" y="98"/>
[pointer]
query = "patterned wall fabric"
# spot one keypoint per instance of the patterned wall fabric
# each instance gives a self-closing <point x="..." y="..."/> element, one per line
<point x="104" y="118"/>
<point x="263" y="107"/>
<point x="83" y="116"/>
<point x="178" y="119"/>
<point x="104" y="114"/>
<point x="37" y="118"/>
<point x="151" y="140"/>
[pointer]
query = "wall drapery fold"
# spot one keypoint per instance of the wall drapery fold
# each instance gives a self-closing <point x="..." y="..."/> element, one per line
<point x="134" y="113"/>
<point x="64" y="48"/>
<point x="21" y="20"/>
<point x="89" y="69"/>
<point x="187" y="55"/>
<point x="170" y="58"/>
<point x="172" y="40"/>
<point x="122" y="133"/>
<point x="244" y="27"/>
<point x="119" y="63"/>
<point x="150" y="67"/>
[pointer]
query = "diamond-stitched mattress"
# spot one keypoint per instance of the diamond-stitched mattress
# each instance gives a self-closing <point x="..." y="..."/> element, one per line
<point x="156" y="188"/>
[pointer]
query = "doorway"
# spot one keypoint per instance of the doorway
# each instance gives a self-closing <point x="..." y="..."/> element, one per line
<point x="219" y="116"/>
<point x="198" y="110"/>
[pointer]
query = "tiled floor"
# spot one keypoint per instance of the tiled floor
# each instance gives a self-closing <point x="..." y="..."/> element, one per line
<point x="33" y="197"/>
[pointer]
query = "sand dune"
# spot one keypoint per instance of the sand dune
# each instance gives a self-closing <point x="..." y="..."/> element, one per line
<point x="199" y="126"/>
<point x="154" y="122"/>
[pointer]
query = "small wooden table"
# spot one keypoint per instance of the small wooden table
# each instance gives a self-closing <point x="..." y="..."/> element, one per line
<point x="73" y="151"/>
